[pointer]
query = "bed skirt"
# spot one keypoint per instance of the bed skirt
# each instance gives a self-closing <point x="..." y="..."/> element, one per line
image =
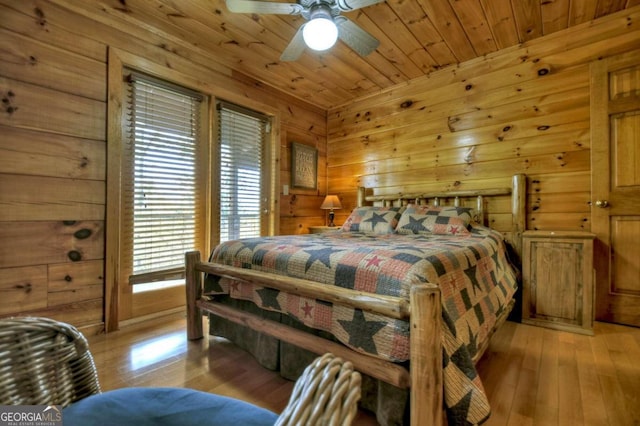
<point x="389" y="403"/>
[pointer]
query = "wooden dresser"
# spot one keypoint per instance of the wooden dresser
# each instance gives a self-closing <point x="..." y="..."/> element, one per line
<point x="558" y="280"/>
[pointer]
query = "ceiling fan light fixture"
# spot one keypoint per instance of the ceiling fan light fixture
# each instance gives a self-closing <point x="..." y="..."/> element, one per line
<point x="323" y="26"/>
<point x="320" y="33"/>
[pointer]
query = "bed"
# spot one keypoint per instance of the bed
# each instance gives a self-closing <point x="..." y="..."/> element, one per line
<point x="410" y="291"/>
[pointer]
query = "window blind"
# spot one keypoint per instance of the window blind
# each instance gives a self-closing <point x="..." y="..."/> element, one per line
<point x="162" y="197"/>
<point x="241" y="134"/>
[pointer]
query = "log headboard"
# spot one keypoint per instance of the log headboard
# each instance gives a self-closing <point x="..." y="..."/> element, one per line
<point x="517" y="191"/>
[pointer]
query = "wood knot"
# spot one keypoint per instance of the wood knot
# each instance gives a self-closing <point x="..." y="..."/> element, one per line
<point x="42" y="21"/>
<point x="468" y="87"/>
<point x="27" y="287"/>
<point x="68" y="278"/>
<point x="543" y="128"/>
<point x="543" y="71"/>
<point x="83" y="233"/>
<point x="74" y="256"/>
<point x="7" y="102"/>
<point x="406" y="104"/>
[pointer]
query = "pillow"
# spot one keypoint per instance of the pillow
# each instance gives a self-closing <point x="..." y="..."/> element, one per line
<point x="373" y="220"/>
<point x="434" y="220"/>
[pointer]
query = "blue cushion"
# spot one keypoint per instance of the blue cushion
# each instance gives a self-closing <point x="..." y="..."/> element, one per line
<point x="164" y="406"/>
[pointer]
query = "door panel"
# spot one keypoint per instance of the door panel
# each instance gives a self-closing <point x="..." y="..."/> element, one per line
<point x="626" y="255"/>
<point x="615" y="164"/>
<point x="625" y="134"/>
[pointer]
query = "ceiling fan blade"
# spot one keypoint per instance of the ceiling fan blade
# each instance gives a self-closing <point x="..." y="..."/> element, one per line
<point x="347" y="5"/>
<point x="248" y="6"/>
<point x="355" y="37"/>
<point x="295" y="47"/>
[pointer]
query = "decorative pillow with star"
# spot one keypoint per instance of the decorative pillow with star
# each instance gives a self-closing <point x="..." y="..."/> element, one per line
<point x="373" y="220"/>
<point x="434" y="220"/>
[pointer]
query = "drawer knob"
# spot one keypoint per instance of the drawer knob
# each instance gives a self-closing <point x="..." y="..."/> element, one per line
<point x="602" y="204"/>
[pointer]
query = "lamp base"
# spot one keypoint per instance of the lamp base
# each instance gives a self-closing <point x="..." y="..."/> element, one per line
<point x="331" y="216"/>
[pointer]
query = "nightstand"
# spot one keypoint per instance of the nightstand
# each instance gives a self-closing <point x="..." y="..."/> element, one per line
<point x="558" y="283"/>
<point x="323" y="229"/>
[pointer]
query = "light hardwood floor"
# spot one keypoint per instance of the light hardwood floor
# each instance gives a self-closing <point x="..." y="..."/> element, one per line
<point x="533" y="376"/>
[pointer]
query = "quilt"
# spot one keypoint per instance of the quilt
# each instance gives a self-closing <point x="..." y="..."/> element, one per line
<point x="472" y="270"/>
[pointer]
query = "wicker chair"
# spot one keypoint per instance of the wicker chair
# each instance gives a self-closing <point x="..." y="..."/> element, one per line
<point x="44" y="362"/>
<point x="326" y="393"/>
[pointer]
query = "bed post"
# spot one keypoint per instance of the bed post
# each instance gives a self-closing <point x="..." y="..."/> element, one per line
<point x="194" y="290"/>
<point x="426" y="356"/>
<point x="361" y="194"/>
<point x="480" y="210"/>
<point x="519" y="211"/>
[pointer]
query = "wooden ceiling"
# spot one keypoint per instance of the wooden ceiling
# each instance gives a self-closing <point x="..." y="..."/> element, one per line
<point x="416" y="37"/>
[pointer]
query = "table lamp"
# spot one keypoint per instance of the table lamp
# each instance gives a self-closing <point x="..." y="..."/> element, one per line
<point x="330" y="203"/>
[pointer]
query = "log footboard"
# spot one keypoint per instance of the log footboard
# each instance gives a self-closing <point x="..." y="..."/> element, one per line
<point x="425" y="378"/>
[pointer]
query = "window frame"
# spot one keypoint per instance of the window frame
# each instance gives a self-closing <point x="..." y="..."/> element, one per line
<point x="118" y="296"/>
<point x="232" y="108"/>
<point x="201" y="164"/>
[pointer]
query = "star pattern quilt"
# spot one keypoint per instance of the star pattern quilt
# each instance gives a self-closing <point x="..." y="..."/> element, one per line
<point x="472" y="271"/>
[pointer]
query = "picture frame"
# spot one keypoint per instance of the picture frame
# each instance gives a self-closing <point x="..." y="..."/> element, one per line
<point x="304" y="166"/>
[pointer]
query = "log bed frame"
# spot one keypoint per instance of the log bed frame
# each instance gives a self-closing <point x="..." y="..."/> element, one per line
<point x="423" y="310"/>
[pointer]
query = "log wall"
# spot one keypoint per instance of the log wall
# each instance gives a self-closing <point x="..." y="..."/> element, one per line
<point x="520" y="110"/>
<point x="53" y="87"/>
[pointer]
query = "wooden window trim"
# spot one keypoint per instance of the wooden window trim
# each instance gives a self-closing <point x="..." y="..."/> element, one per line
<point x="118" y="60"/>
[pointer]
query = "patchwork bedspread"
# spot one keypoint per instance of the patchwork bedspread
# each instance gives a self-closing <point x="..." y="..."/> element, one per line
<point x="472" y="271"/>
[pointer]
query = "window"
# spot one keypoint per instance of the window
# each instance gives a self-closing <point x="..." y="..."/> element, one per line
<point x="164" y="154"/>
<point x="241" y="135"/>
<point x="161" y="195"/>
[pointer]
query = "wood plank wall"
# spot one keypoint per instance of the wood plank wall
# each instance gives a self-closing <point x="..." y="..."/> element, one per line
<point x="53" y="85"/>
<point x="521" y="110"/>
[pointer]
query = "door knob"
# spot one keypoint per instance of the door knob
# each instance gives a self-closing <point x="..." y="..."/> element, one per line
<point x="602" y="203"/>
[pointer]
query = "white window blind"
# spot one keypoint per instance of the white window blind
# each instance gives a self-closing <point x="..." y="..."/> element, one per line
<point x="162" y="198"/>
<point x="242" y="138"/>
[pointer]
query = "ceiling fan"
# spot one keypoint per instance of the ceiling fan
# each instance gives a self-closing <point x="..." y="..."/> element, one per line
<point x="325" y="24"/>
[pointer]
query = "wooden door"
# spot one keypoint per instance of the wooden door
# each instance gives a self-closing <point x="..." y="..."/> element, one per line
<point x="615" y="186"/>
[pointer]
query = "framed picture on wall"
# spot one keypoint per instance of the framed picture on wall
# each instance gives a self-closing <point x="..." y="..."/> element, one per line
<point x="304" y="166"/>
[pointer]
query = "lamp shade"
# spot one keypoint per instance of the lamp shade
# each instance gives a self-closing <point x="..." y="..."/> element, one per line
<point x="331" y="202"/>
